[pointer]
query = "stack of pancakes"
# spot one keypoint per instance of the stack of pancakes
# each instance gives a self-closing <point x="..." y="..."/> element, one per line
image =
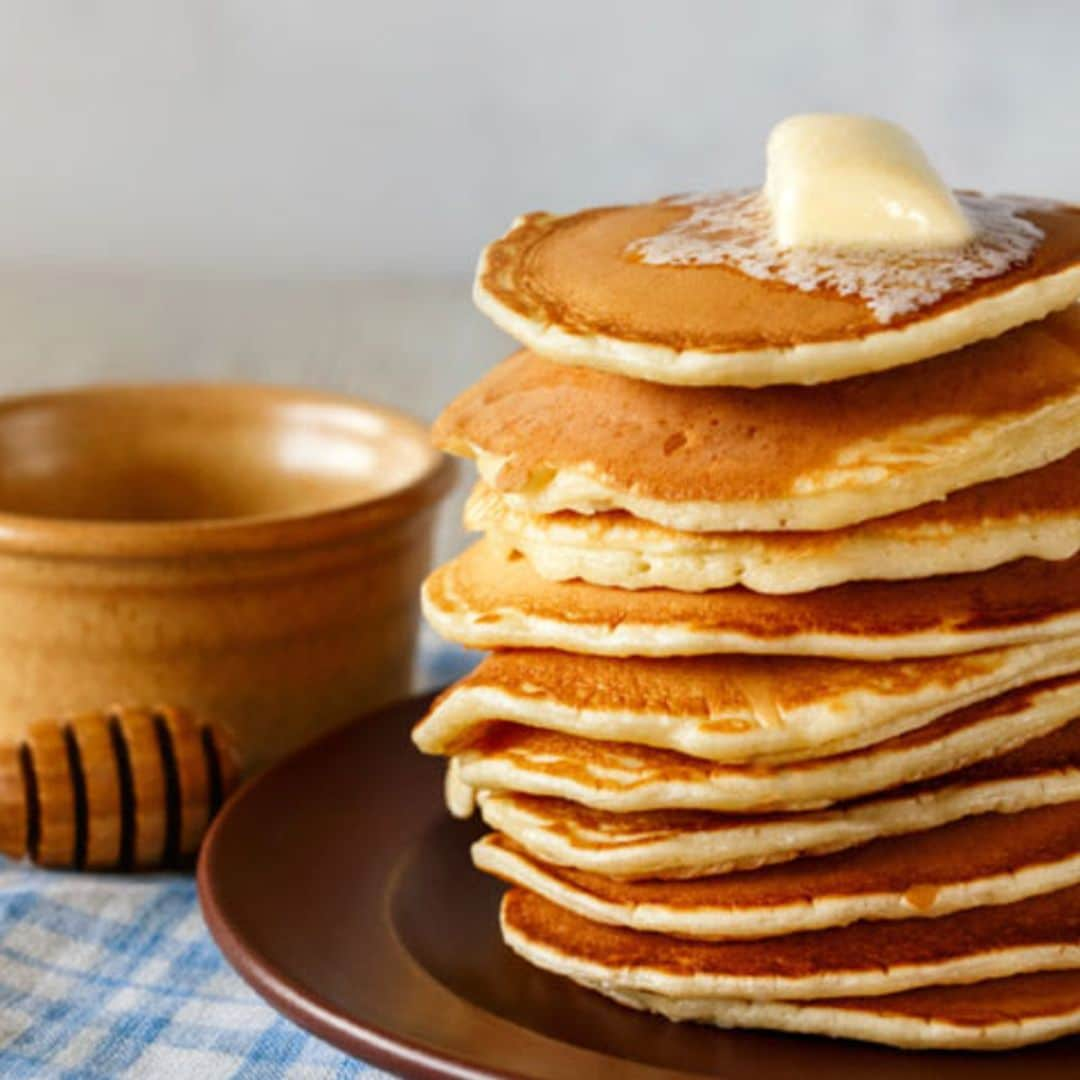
<point x="781" y="723"/>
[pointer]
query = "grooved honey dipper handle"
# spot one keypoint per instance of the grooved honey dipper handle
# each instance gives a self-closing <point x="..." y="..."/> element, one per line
<point x="123" y="789"/>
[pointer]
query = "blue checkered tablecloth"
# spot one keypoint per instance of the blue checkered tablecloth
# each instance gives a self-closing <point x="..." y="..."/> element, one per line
<point x="111" y="976"/>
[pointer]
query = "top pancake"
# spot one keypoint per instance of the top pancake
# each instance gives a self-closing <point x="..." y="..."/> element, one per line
<point x="553" y="438"/>
<point x="568" y="288"/>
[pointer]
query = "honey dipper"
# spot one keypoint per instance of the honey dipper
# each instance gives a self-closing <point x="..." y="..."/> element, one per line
<point x="126" y="789"/>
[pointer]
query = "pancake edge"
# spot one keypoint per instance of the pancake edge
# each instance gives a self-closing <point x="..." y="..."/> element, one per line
<point x="821" y="912"/>
<point x="809" y="787"/>
<point x="854" y="720"/>
<point x="959" y="969"/>
<point x="1008" y="447"/>
<point x="866" y="1025"/>
<point x="804" y="364"/>
<point x="839" y="828"/>
<point x="743" y="559"/>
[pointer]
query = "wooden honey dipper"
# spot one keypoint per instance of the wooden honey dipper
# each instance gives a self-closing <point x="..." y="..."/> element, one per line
<point x="127" y="789"/>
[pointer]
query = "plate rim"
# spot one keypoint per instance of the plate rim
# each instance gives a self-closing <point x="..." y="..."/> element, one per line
<point x="304" y="1005"/>
<point x="299" y="1001"/>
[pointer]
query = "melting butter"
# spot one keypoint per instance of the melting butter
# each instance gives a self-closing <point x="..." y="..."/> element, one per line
<point x="841" y="181"/>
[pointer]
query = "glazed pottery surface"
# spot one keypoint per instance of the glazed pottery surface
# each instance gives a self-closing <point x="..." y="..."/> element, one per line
<point x="249" y="554"/>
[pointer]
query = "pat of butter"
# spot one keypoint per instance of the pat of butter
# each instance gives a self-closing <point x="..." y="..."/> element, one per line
<point x="857" y="182"/>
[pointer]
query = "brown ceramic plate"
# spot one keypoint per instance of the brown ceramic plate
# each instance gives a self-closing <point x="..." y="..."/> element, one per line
<point x="341" y="891"/>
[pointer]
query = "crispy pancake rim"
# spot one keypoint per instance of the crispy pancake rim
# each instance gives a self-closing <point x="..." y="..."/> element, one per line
<point x="864" y="959"/>
<point x="565" y="287"/>
<point x="622" y="777"/>
<point x="486" y="599"/>
<point x="729" y="708"/>
<point x="1035" y="514"/>
<point x="687" y="843"/>
<point x="553" y="438"/>
<point x="999" y="1014"/>
<point x="981" y="861"/>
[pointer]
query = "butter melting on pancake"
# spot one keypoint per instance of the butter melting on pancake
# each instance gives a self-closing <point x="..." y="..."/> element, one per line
<point x="729" y="708"/>
<point x="1032" y="515"/>
<point x="488" y="599"/>
<point x="577" y="289"/>
<point x="552" y="438"/>
<point x="979" y="862"/>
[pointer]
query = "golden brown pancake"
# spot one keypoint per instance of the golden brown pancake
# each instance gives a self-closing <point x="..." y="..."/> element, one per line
<point x="730" y="708"/>
<point x="999" y="1014"/>
<point x="553" y="438"/>
<point x="689" y="843"/>
<point x="1038" y="934"/>
<point x="980" y="861"/>
<point x="624" y="777"/>
<point x="486" y="599"/>
<point x="1033" y="515"/>
<point x="569" y="287"/>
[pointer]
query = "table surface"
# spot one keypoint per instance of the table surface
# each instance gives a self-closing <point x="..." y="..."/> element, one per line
<point x="110" y="976"/>
<point x="114" y="976"/>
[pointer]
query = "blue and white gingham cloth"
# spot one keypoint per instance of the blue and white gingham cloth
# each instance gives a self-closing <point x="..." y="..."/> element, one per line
<point x="117" y="976"/>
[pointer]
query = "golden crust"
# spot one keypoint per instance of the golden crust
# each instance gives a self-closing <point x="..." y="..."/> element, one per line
<point x="1052" y="919"/>
<point x="1056" y="752"/>
<point x="728" y="691"/>
<point x="486" y="597"/>
<point x="678" y="444"/>
<point x="567" y="286"/>
<point x="729" y="708"/>
<point x="573" y="271"/>
<point x="915" y="867"/>
<point x="692" y="843"/>
<point x="622" y="765"/>
<point x="1051" y="493"/>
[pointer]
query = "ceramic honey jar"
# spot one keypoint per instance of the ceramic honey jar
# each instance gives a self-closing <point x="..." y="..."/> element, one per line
<point x="250" y="555"/>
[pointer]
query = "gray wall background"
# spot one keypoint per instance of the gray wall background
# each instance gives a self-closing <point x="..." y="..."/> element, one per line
<point x="394" y="137"/>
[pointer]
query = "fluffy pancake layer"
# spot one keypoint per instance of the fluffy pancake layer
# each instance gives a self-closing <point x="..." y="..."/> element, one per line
<point x="553" y="438"/>
<point x="981" y="861"/>
<point x="782" y="726"/>
<point x="999" y="1014"/>
<point x="730" y="708"/>
<point x="567" y="287"/>
<point x="688" y="843"/>
<point x="487" y="599"/>
<point x="1035" y="514"/>
<point x="623" y="777"/>
<point x="1038" y="934"/>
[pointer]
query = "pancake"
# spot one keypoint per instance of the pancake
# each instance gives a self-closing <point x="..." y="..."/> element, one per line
<point x="487" y="599"/>
<point x="552" y="438"/>
<point x="568" y="287"/>
<point x="1000" y="1014"/>
<point x="730" y="708"/>
<point x="1035" y="514"/>
<point x="864" y="959"/>
<point x="623" y="777"/>
<point x="687" y="843"/>
<point x="980" y="861"/>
